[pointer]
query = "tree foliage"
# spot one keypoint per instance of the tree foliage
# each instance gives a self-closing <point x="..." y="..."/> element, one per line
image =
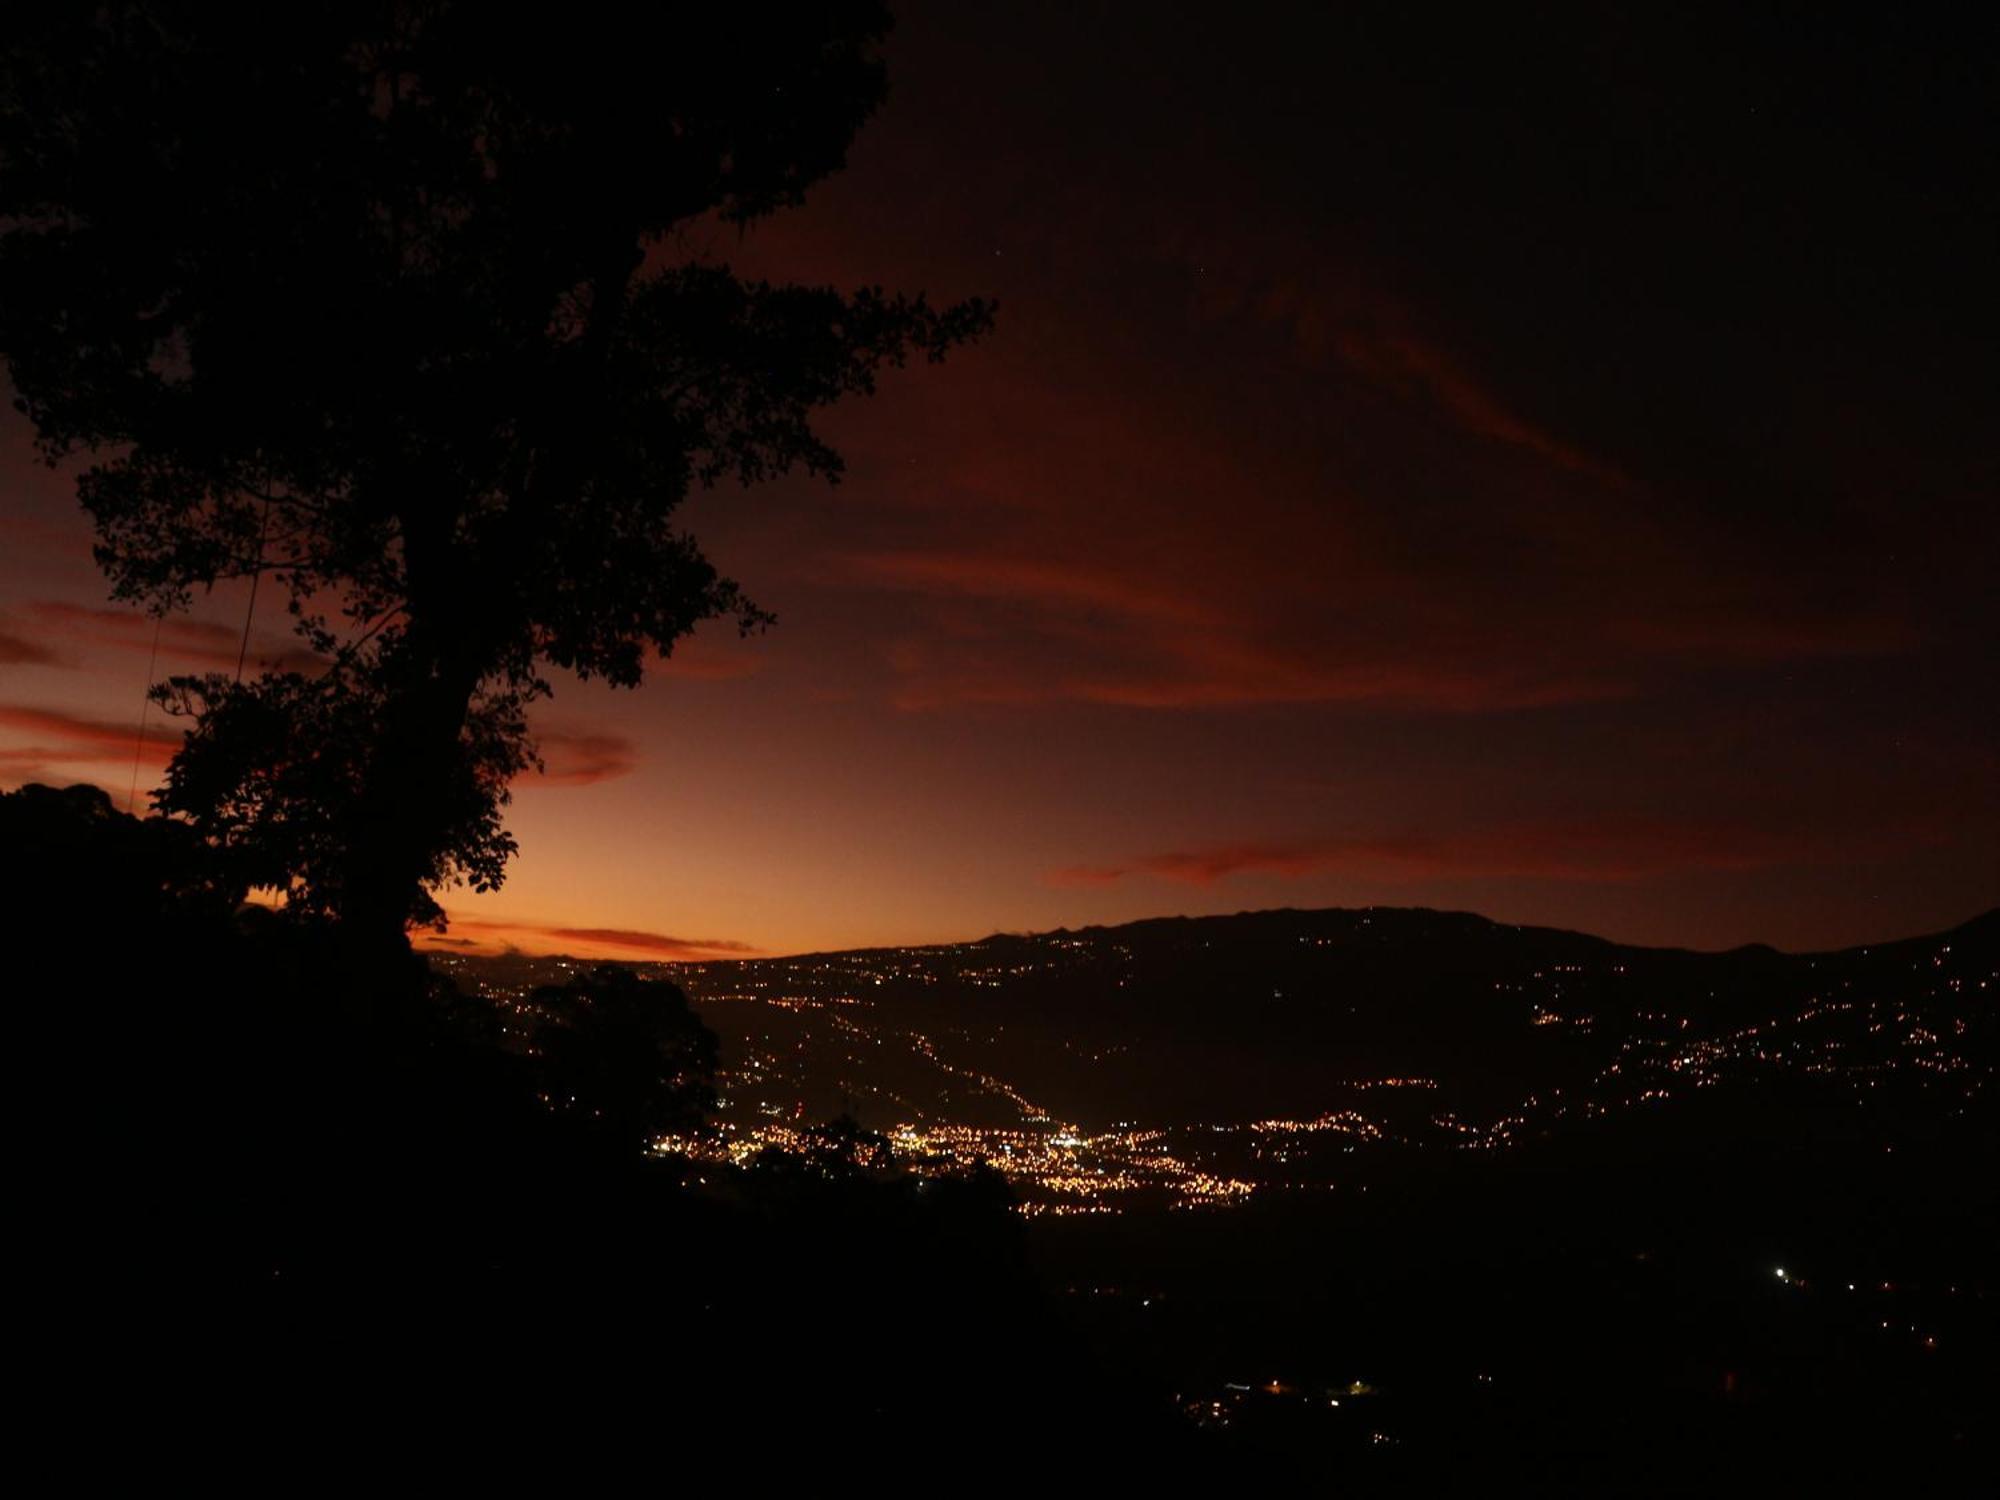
<point x="404" y="304"/>
<point x="70" y="852"/>
<point x="275" y="769"/>
<point x="627" y="1053"/>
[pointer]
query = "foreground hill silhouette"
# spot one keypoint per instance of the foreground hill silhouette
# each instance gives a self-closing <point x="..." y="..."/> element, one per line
<point x="1531" y="1189"/>
<point x="279" y="1230"/>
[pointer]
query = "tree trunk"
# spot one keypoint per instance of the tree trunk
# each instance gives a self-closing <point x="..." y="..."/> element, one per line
<point x="401" y="821"/>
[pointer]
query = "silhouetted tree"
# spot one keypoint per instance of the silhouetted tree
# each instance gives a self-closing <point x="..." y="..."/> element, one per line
<point x="276" y="770"/>
<point x="627" y="1052"/>
<point x="401" y="304"/>
<point x="840" y="1150"/>
<point x="70" y="857"/>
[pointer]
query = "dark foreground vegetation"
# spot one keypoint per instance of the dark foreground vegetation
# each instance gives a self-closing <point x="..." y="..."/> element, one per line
<point x="303" y="1214"/>
<point x="307" y="1216"/>
<point x="1565" y="1321"/>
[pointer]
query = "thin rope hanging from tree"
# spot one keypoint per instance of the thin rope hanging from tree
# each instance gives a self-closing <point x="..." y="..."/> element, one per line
<point x="145" y="703"/>
<point x="256" y="576"/>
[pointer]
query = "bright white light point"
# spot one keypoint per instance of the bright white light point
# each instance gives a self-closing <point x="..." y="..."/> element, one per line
<point x="1781" y="1273"/>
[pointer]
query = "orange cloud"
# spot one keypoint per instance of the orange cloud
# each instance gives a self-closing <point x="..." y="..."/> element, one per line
<point x="991" y="577"/>
<point x="1159" y="648"/>
<point x="1614" y="850"/>
<point x="651" y="942"/>
<point x="50" y="742"/>
<point x="204" y="643"/>
<point x="1344" y="312"/>
<point x="55" y="737"/>
<point x="72" y="737"/>
<point x="20" y="651"/>
<point x="1414" y="367"/>
<point x="578" y="759"/>
<point x="582" y="942"/>
<point x="133" y="630"/>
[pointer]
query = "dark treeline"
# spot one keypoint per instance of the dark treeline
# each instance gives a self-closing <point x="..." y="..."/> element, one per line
<point x="280" y="1226"/>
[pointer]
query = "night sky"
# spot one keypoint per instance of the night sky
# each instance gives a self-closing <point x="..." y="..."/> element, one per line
<point x="1548" y="471"/>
